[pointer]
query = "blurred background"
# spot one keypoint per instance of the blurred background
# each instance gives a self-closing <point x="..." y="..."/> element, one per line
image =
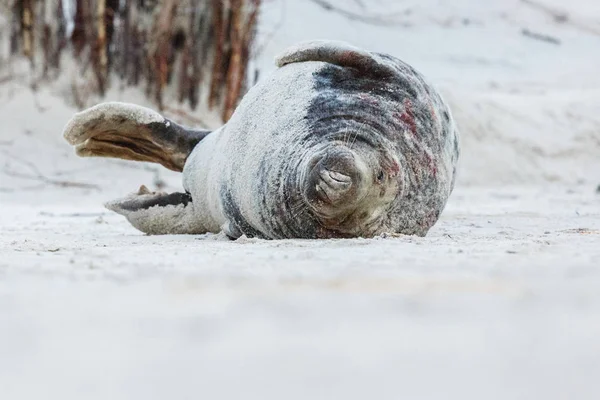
<point x="499" y="301"/>
<point x="521" y="75"/>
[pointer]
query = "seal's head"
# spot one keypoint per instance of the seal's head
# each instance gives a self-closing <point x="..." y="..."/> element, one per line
<point x="349" y="188"/>
<point x="352" y="176"/>
<point x="381" y="142"/>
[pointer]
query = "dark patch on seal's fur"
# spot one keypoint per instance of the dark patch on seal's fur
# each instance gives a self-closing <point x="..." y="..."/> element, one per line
<point x="160" y="200"/>
<point x="175" y="137"/>
<point x="282" y="218"/>
<point x="235" y="217"/>
<point x="395" y="113"/>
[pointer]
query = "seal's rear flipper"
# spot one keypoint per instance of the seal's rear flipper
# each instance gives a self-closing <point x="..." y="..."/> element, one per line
<point x="338" y="53"/>
<point x="158" y="213"/>
<point x="131" y="132"/>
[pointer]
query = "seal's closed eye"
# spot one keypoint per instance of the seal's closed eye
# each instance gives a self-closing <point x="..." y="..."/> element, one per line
<point x="338" y="53"/>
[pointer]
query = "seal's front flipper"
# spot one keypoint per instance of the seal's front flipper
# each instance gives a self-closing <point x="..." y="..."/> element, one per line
<point x="158" y="213"/>
<point x="131" y="132"/>
<point x="338" y="53"/>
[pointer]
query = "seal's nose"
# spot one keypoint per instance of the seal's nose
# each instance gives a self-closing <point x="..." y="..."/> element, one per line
<point x="334" y="178"/>
<point x="333" y="185"/>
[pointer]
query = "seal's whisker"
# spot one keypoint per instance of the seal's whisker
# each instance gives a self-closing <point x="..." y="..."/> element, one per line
<point x="297" y="213"/>
<point x="297" y="208"/>
<point x="354" y="140"/>
<point x="362" y="124"/>
<point x="344" y="137"/>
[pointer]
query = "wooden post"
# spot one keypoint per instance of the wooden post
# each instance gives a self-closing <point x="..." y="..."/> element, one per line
<point x="100" y="48"/>
<point x="27" y="29"/>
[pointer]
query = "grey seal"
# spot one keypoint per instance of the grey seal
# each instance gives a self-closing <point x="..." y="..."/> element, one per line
<point x="337" y="142"/>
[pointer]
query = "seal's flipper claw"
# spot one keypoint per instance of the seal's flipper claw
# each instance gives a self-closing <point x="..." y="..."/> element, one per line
<point x="338" y="53"/>
<point x="158" y="213"/>
<point x="131" y="132"/>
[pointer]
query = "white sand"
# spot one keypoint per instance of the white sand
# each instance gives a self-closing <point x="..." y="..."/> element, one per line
<point x="500" y="301"/>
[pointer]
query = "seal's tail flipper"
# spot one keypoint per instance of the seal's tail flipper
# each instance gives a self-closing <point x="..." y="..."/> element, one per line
<point x="158" y="213"/>
<point x="131" y="132"/>
<point x="338" y="53"/>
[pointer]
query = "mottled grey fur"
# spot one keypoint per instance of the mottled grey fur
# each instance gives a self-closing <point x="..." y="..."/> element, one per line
<point x="337" y="142"/>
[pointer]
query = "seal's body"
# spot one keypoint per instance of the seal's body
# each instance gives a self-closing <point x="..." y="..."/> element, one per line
<point x="337" y="142"/>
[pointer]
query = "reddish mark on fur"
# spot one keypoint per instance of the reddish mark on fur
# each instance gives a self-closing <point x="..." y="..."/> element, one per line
<point x="433" y="169"/>
<point x="431" y="163"/>
<point x="394" y="169"/>
<point x="348" y="57"/>
<point x="432" y="109"/>
<point x="430" y="219"/>
<point x="408" y="117"/>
